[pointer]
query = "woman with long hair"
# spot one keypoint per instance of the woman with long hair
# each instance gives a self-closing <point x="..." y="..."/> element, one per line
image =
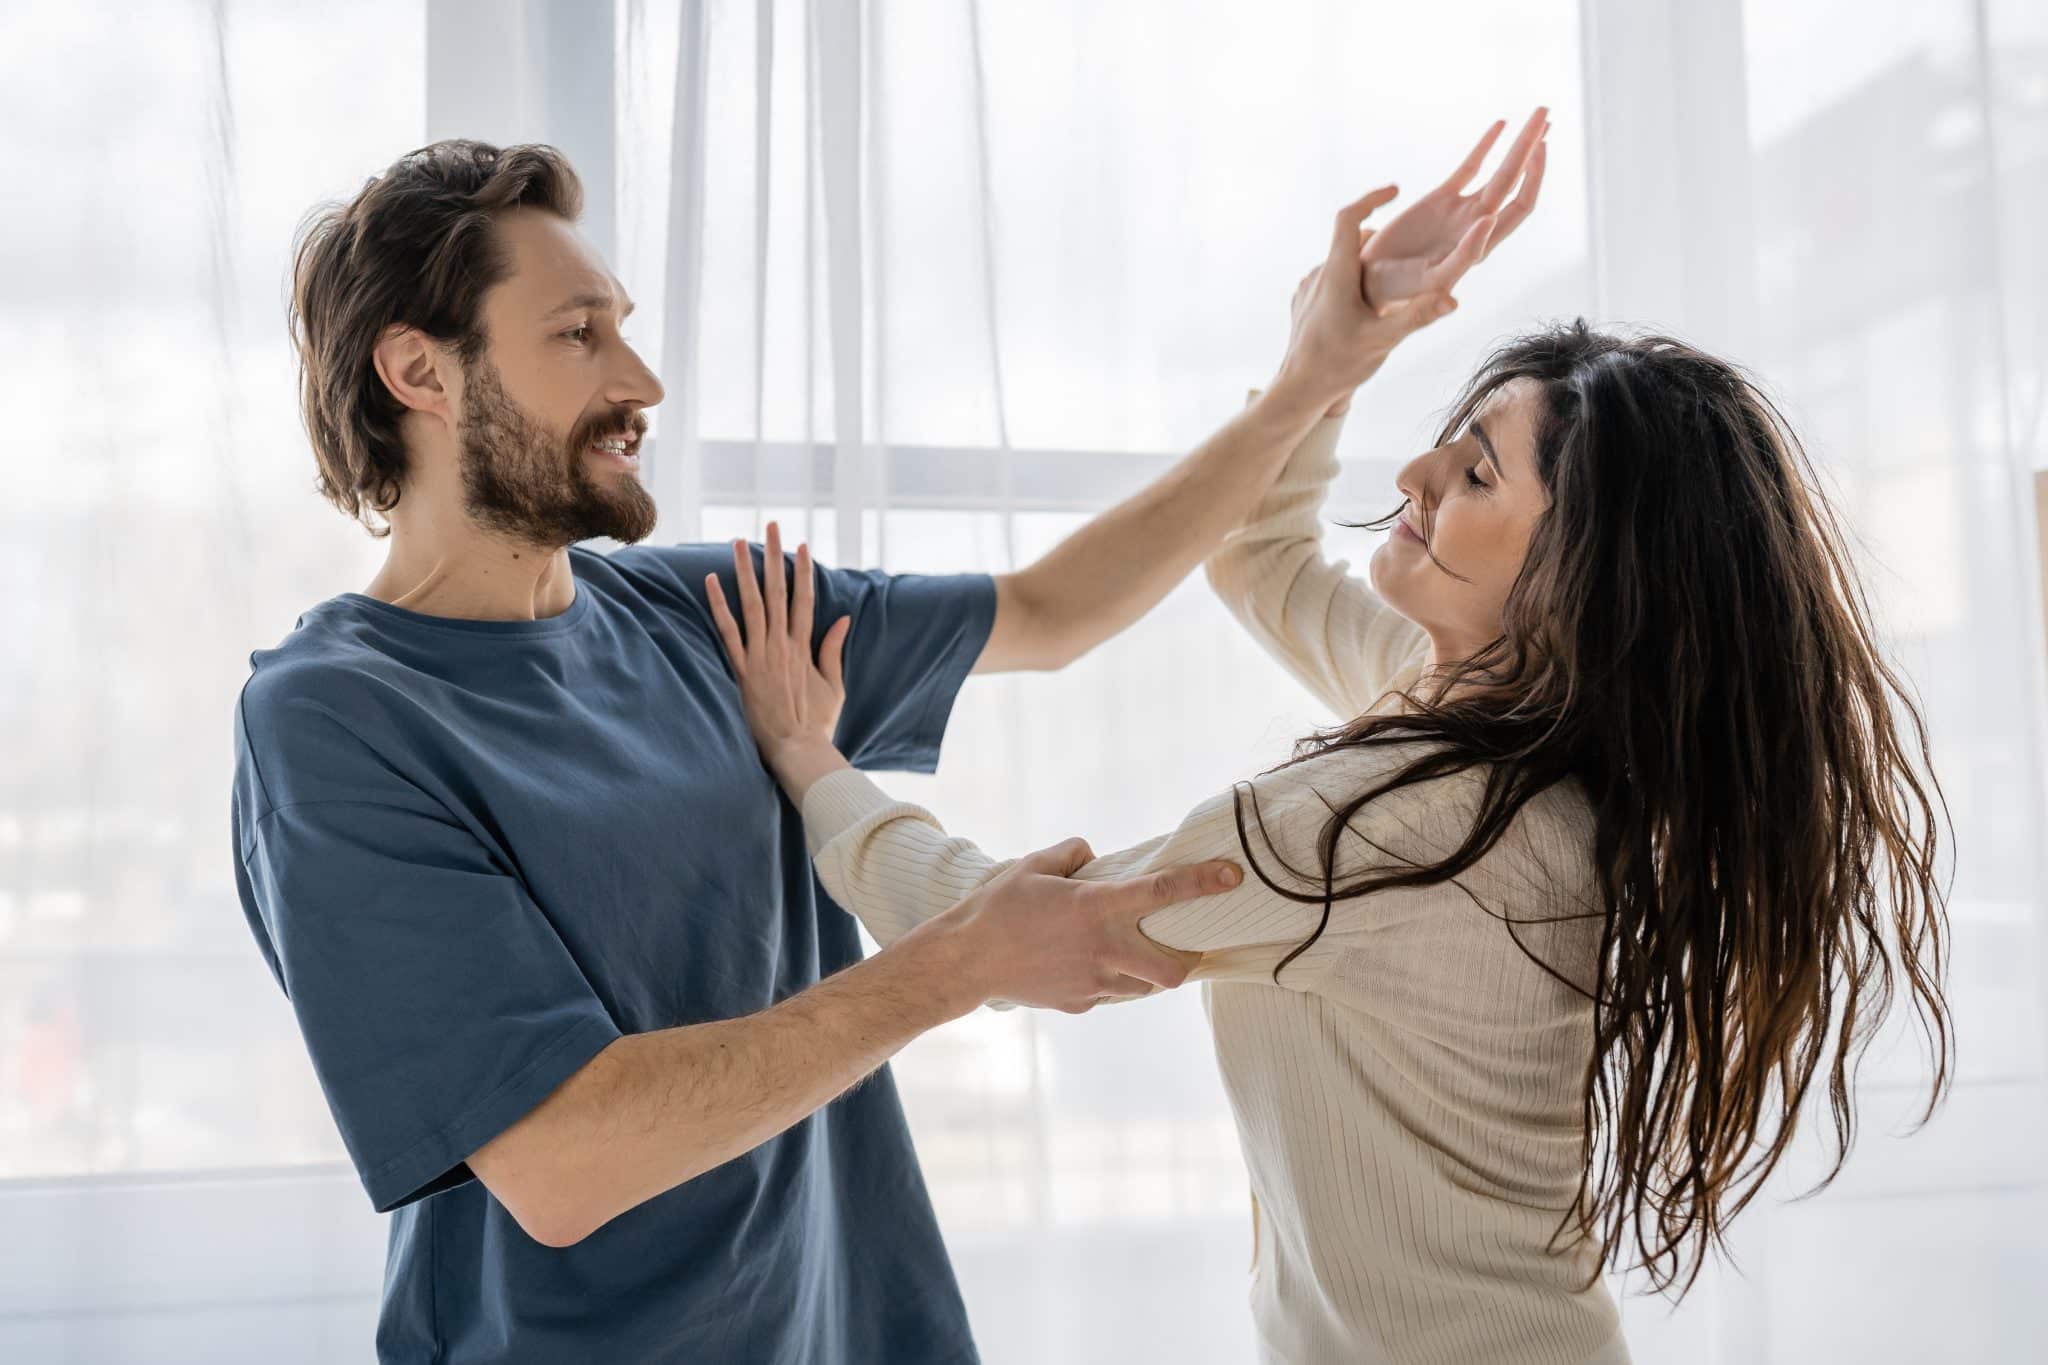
<point x="1622" y="849"/>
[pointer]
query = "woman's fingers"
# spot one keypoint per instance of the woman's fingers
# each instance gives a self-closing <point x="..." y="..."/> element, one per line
<point x="1512" y="165"/>
<point x="721" y="616"/>
<point x="1524" y="202"/>
<point x="1470" y="249"/>
<point x="773" y="585"/>
<point x="832" y="653"/>
<point x="1476" y="158"/>
<point x="1389" y="282"/>
<point x="749" y="590"/>
<point x="806" y="600"/>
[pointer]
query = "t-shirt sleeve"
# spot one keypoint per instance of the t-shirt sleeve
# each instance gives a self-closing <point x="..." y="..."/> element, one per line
<point x="436" y="999"/>
<point x="914" y="640"/>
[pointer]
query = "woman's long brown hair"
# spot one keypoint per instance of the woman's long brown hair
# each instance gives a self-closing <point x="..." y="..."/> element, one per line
<point x="1688" y="642"/>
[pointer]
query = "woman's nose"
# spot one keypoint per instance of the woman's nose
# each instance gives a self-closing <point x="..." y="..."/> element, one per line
<point x="1412" y="481"/>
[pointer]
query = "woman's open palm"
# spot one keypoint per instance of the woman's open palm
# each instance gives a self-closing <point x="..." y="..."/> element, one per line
<point x="789" y="699"/>
<point x="1404" y="258"/>
<point x="1377" y="287"/>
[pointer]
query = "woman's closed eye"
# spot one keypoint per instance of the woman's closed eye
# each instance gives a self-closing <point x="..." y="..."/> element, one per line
<point x="1472" y="479"/>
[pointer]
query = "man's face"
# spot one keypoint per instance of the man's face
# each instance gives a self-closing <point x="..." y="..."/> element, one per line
<point x="555" y="384"/>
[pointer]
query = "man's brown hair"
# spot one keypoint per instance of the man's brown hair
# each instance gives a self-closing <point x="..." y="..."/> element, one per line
<point x="415" y="246"/>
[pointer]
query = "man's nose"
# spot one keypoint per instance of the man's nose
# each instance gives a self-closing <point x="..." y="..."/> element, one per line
<point x="636" y="386"/>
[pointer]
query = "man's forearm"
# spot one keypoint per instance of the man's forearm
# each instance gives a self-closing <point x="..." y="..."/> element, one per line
<point x="1113" y="570"/>
<point x="656" y="1109"/>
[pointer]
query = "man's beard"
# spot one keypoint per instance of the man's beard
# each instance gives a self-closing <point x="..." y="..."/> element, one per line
<point x="520" y="481"/>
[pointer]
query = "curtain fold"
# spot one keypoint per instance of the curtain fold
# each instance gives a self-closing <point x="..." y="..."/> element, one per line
<point x="676" y="475"/>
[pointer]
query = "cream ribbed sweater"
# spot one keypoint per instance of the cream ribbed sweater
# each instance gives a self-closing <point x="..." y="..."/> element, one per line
<point x="1408" y="1094"/>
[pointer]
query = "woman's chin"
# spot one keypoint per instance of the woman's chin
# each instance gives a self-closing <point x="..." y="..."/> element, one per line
<point x="1377" y="565"/>
<point x="1386" y="585"/>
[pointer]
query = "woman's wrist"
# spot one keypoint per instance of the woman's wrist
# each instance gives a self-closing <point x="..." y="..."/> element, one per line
<point x="798" y="764"/>
<point x="1291" y="388"/>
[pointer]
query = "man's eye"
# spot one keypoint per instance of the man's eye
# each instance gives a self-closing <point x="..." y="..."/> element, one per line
<point x="580" y="333"/>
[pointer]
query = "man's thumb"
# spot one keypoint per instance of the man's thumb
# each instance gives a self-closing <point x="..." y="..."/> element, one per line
<point x="1427" y="308"/>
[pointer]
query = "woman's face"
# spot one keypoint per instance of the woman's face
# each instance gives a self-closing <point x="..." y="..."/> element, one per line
<point x="1477" y="499"/>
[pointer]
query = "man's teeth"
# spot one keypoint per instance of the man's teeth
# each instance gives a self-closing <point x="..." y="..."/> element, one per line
<point x="616" y="445"/>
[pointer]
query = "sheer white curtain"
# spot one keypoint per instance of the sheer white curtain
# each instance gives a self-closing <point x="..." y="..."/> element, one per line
<point x="1852" y="208"/>
<point x="1048" y="247"/>
<point x="930" y="283"/>
<point x="943" y="279"/>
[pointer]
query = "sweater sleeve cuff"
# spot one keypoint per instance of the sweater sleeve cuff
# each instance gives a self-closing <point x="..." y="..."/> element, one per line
<point x="1318" y="449"/>
<point x="1315" y="458"/>
<point x="1334" y="421"/>
<point x="837" y="802"/>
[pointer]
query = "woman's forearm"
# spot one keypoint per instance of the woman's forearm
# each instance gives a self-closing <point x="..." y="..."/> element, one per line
<point x="888" y="862"/>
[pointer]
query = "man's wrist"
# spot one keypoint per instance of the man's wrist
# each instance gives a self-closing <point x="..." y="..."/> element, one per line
<point x="940" y="956"/>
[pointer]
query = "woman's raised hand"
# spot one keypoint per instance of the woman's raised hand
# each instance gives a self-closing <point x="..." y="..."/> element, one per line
<point x="791" y="702"/>
<point x="1377" y="287"/>
<point x="1338" y="339"/>
<point x="1405" y="258"/>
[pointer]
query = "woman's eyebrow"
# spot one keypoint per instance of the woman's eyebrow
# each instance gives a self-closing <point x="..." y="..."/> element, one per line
<point x="1486" y="447"/>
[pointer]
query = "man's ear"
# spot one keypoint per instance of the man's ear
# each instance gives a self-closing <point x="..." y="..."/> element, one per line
<point x="415" y="368"/>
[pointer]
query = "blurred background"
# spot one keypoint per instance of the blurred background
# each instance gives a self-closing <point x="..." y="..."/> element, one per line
<point x="931" y="282"/>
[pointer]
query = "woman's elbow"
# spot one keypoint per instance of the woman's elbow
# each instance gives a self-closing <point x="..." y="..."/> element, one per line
<point x="1229" y="573"/>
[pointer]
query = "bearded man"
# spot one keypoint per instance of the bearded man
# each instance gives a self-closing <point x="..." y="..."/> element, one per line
<point x="550" y="931"/>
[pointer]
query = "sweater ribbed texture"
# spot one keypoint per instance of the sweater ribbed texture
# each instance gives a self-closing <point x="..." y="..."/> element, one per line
<point x="1408" y="1093"/>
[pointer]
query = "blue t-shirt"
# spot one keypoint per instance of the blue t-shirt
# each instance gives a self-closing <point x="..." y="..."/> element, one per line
<point x="475" y="853"/>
